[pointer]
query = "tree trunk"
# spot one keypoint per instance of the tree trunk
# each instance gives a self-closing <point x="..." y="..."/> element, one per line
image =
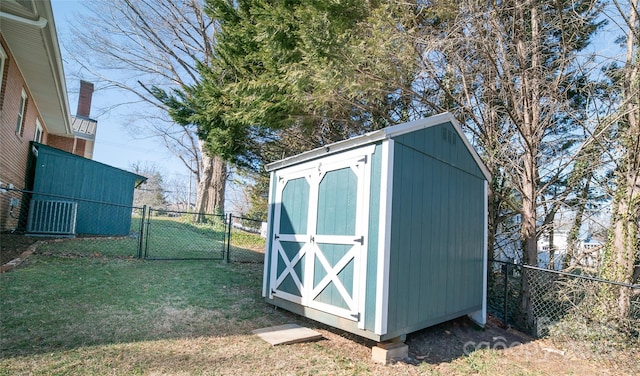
<point x="623" y="246"/>
<point x="529" y="240"/>
<point x="529" y="50"/>
<point x="623" y="242"/>
<point x="571" y="255"/>
<point x="211" y="186"/>
<point x="219" y="184"/>
<point x="493" y="222"/>
<point x="552" y="246"/>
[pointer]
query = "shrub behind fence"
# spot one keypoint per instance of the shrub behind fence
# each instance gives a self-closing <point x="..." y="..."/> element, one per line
<point x="562" y="304"/>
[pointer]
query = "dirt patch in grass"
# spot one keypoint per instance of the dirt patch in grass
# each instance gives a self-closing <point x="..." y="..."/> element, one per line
<point x="460" y="347"/>
<point x="12" y="245"/>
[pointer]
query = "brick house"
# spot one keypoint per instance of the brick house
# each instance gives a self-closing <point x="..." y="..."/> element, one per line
<point x="33" y="99"/>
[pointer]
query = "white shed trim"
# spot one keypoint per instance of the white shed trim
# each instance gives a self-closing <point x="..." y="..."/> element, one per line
<point x="358" y="161"/>
<point x="480" y="317"/>
<point x="272" y="176"/>
<point x="384" y="238"/>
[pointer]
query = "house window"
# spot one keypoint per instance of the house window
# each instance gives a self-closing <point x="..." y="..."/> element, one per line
<point x="38" y="135"/>
<point x="21" y="111"/>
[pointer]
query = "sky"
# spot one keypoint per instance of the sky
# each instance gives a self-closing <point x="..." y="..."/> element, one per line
<point x="115" y="145"/>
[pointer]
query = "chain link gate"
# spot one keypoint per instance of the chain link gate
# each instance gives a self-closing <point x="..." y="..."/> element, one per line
<point x="175" y="235"/>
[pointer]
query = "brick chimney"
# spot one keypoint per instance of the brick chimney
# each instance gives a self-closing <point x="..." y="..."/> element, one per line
<point x="84" y="100"/>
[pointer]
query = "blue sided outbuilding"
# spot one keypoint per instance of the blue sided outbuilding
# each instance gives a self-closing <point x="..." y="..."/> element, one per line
<point x="101" y="195"/>
<point x="383" y="234"/>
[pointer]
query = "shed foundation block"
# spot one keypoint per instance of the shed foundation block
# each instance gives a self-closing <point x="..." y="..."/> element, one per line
<point x="384" y="352"/>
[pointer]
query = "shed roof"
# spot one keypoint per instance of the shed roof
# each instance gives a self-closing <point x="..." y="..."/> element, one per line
<point x="379" y="135"/>
<point x="139" y="179"/>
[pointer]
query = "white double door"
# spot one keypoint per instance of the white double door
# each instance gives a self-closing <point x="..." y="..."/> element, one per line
<point x="320" y="234"/>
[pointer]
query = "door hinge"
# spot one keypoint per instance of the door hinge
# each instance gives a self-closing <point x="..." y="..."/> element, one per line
<point x="359" y="240"/>
<point x="273" y="292"/>
<point x="364" y="159"/>
<point x="276" y="237"/>
<point x="356" y="316"/>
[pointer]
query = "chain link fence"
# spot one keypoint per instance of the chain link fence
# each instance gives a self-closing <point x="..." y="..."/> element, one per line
<point x="173" y="235"/>
<point x="545" y="302"/>
<point x="247" y="239"/>
<point x="538" y="301"/>
<point x="73" y="227"/>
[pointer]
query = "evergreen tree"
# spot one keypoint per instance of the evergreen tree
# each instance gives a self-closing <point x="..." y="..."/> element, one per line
<point x="288" y="76"/>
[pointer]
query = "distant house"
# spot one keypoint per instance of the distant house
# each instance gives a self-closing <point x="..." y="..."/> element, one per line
<point x="587" y="252"/>
<point x="559" y="250"/>
<point x="34" y="108"/>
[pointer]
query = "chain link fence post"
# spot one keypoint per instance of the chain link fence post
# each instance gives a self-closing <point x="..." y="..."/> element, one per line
<point x="245" y="238"/>
<point x="229" y="236"/>
<point x="505" y="271"/>
<point x="141" y="232"/>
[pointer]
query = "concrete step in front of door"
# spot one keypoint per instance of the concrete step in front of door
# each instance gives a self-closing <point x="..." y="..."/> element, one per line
<point x="287" y="334"/>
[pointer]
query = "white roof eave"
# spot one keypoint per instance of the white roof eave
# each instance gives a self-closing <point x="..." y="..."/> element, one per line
<point x="33" y="42"/>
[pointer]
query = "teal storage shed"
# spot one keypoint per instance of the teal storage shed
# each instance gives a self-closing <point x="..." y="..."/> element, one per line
<point x="96" y="197"/>
<point x="383" y="234"/>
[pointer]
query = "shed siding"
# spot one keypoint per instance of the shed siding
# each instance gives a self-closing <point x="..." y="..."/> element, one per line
<point x="372" y="245"/>
<point x="436" y="262"/>
<point x="443" y="143"/>
<point x="64" y="174"/>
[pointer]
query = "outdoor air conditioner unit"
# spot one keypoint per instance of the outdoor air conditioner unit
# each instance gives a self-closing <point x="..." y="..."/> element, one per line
<point x="49" y="217"/>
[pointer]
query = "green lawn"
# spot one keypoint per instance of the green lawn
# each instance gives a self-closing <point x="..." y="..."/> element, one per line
<point x="88" y="312"/>
<point x="246" y="247"/>
<point x="167" y="238"/>
<point x="70" y="315"/>
<point x="57" y="304"/>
